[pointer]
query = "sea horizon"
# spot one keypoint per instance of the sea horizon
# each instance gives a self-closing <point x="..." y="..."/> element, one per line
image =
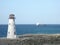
<point x="31" y="29"/>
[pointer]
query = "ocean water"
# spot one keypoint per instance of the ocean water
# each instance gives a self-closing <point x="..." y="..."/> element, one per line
<point x="31" y="29"/>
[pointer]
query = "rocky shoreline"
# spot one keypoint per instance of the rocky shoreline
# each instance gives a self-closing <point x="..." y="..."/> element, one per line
<point x="33" y="39"/>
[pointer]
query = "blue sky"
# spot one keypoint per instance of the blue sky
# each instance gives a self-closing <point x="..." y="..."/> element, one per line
<point x="30" y="11"/>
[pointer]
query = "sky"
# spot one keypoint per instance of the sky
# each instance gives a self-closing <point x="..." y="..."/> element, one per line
<point x="30" y="11"/>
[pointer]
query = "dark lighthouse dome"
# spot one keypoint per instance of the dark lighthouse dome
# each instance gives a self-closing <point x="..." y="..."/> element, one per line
<point x="12" y="16"/>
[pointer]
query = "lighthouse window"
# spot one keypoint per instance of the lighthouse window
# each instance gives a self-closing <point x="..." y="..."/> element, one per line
<point x="14" y="27"/>
<point x="9" y="32"/>
<point x="14" y="32"/>
<point x="9" y="23"/>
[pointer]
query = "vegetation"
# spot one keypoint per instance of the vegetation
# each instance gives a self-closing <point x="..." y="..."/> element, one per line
<point x="33" y="40"/>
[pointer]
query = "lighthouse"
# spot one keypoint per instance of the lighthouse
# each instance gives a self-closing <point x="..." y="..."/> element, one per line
<point x="11" y="33"/>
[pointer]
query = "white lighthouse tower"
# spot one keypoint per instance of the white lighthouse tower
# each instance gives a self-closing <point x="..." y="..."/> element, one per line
<point x="11" y="34"/>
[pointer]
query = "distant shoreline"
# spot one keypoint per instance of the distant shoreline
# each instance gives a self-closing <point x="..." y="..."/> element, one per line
<point x="35" y="35"/>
